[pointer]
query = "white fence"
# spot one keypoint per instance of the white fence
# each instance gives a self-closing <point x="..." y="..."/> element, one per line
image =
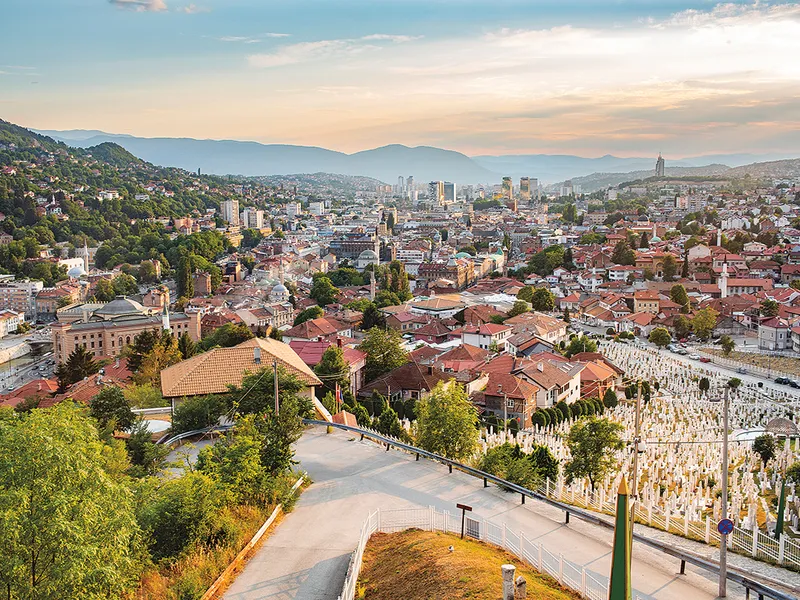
<point x="587" y="583"/>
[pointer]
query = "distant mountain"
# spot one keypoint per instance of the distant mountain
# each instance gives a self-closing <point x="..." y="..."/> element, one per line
<point x="599" y="181"/>
<point x="224" y="157"/>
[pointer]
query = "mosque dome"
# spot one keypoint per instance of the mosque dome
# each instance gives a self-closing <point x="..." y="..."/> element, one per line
<point x="120" y="306"/>
<point x="368" y="255"/>
<point x="76" y="272"/>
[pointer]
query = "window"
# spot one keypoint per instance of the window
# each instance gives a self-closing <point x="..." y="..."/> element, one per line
<point x="509" y="403"/>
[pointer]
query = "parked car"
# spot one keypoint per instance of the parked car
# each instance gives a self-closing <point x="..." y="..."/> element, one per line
<point x="683" y="351"/>
<point x="694" y="356"/>
<point x="794" y="384"/>
<point x="705" y="359"/>
<point x="742" y="370"/>
<point x="782" y="380"/>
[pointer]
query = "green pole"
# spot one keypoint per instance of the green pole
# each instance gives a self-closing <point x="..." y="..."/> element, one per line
<point x="781" y="509"/>
<point x="620" y="580"/>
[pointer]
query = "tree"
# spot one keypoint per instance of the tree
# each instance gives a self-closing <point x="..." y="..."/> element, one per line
<point x="184" y="277"/>
<point x="104" y="290"/>
<point x="623" y="255"/>
<point x="146" y="457"/>
<point x="144" y="396"/>
<point x="704" y="384"/>
<point x="79" y="364"/>
<point x="580" y="344"/>
<point x="333" y="369"/>
<point x="186" y="346"/>
<point x="67" y="522"/>
<point x="660" y="337"/>
<point x="543" y="300"/>
<point x="323" y="290"/>
<point x="372" y="317"/>
<point x="685" y="266"/>
<point x="643" y="241"/>
<point x="670" y="267"/>
<point x="734" y="383"/>
<point x="679" y="296"/>
<point x="312" y="312"/>
<point x="592" y="443"/>
<point x="764" y="446"/>
<point x="525" y="293"/>
<point x="682" y="326"/>
<point x="147" y="272"/>
<point x="610" y="399"/>
<point x="164" y="354"/>
<point x="520" y="307"/>
<point x="727" y="344"/>
<point x="124" y="285"/>
<point x="227" y="336"/>
<point x="111" y="407"/>
<point x="770" y="308"/>
<point x="384" y="350"/>
<point x="142" y="345"/>
<point x="197" y="412"/>
<point x="447" y="422"/>
<point x="793" y="473"/>
<point x="704" y="322"/>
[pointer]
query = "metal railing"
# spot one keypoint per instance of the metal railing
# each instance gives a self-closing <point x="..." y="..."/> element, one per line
<point x="167" y="440"/>
<point x="733" y="574"/>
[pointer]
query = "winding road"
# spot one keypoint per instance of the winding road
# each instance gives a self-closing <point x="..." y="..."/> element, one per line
<point x="307" y="555"/>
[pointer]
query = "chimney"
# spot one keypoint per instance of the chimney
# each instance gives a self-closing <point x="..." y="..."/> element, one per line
<point x="338" y="342"/>
<point x="116" y="363"/>
<point x="430" y="369"/>
<point x="540" y="366"/>
<point x="257" y="355"/>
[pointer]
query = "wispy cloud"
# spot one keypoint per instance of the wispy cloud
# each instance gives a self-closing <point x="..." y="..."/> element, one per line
<point x="141" y="5"/>
<point x="193" y="9"/>
<point x="255" y="39"/>
<point x="324" y="49"/>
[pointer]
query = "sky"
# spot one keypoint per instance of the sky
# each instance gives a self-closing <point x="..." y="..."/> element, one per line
<point x="585" y="77"/>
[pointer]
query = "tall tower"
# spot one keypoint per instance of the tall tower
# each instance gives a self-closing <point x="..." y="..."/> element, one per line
<point x="723" y="281"/>
<point x="508" y="188"/>
<point x="719" y="236"/>
<point x="372" y="286"/>
<point x="525" y="189"/>
<point x="660" y="166"/>
<point x="85" y="256"/>
<point x="165" y="318"/>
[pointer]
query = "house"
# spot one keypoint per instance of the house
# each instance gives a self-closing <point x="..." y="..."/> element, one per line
<point x="405" y="321"/>
<point x="527" y="343"/>
<point x="488" y="337"/>
<point x="480" y="314"/>
<point x="547" y="328"/>
<point x="511" y="397"/>
<point x="646" y="301"/>
<point x="461" y="358"/>
<point x="774" y="334"/>
<point x="556" y="378"/>
<point x="311" y="354"/>
<point x="213" y="372"/>
<point x="411" y="381"/>
<point x="433" y="332"/>
<point x="441" y="308"/>
<point x="319" y="328"/>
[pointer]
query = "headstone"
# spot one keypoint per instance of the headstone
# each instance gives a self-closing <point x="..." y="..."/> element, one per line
<point x="508" y="581"/>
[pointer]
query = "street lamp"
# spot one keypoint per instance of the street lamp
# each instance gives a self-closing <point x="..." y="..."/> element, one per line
<point x="723" y="537"/>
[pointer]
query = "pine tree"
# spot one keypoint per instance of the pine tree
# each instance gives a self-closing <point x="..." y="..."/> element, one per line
<point x="183" y="278"/>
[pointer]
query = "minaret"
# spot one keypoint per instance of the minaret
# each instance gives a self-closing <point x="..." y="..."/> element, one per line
<point x="165" y="318"/>
<point x="719" y="236"/>
<point x="594" y="280"/>
<point x="372" y="286"/>
<point x="282" y="282"/>
<point x="85" y="256"/>
<point x="723" y="281"/>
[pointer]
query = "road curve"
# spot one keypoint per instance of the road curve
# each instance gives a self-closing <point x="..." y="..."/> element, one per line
<point x="306" y="557"/>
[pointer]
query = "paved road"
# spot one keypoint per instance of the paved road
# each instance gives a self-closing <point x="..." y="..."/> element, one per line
<point x="306" y="557"/>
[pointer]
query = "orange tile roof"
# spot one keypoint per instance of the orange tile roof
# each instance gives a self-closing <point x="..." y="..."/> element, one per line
<point x="214" y="371"/>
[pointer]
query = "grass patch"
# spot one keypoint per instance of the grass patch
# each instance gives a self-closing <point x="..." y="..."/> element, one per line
<point x="417" y="565"/>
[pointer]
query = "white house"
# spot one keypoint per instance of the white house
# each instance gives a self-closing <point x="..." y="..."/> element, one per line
<point x="486" y="336"/>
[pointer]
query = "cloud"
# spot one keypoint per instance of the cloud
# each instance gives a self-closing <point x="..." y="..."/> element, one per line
<point x="141" y="5"/>
<point x="244" y="39"/>
<point x="193" y="9"/>
<point x="322" y="49"/>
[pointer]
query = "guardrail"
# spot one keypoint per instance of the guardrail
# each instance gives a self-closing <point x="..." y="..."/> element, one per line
<point x="160" y="410"/>
<point x="733" y="574"/>
<point x="187" y="434"/>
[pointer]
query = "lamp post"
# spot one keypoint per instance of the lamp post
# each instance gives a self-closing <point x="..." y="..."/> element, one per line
<point x="723" y="537"/>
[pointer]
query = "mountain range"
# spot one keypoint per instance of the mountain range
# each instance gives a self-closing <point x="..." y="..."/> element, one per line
<point x="425" y="163"/>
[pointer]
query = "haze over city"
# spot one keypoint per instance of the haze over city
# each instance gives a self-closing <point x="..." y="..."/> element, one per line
<point x="630" y="78"/>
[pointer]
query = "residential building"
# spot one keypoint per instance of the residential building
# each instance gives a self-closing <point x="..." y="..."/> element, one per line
<point x="229" y="210"/>
<point x="774" y="334"/>
<point x="488" y="336"/>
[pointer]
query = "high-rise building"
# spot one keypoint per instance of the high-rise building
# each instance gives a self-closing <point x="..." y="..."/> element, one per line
<point x="660" y="166"/>
<point x="525" y="189"/>
<point x="449" y="191"/>
<point x="410" y="183"/>
<point x="535" y="193"/>
<point x="436" y="192"/>
<point x="293" y="209"/>
<point x="230" y="212"/>
<point x="401" y="184"/>
<point x="252" y="218"/>
<point x="508" y="188"/>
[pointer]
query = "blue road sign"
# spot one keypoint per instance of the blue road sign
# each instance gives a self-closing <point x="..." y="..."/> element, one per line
<point x="725" y="526"/>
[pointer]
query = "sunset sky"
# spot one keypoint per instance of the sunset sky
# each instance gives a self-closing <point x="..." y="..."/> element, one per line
<point x="482" y="77"/>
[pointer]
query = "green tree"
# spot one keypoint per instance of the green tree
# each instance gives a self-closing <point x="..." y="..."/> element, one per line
<point x="610" y="399"/>
<point x="704" y="384"/>
<point x="147" y="458"/>
<point x="793" y="473"/>
<point x="323" y="291"/>
<point x="67" y="524"/>
<point x="447" y="422"/>
<point x="543" y="300"/>
<point x="623" y="255"/>
<point x="526" y="294"/>
<point x="769" y="308"/>
<point x="111" y="407"/>
<point x="104" y="290"/>
<point x="186" y="346"/>
<point x="682" y="326"/>
<point x="660" y="337"/>
<point x="227" y="336"/>
<point x="124" y="285"/>
<point x="764" y="446"/>
<point x="592" y="444"/>
<point x="670" y="267"/>
<point x="184" y="277"/>
<point x="142" y="345"/>
<point x="384" y="350"/>
<point x="197" y="412"/>
<point x="734" y="383"/>
<point x="372" y="317"/>
<point x="333" y="369"/>
<point x="704" y="322"/>
<point x="580" y="344"/>
<point x="520" y="307"/>
<point x="679" y="296"/>
<point x="310" y="313"/>
<point x="644" y="243"/>
<point x="727" y="344"/>
<point x="79" y="364"/>
<point x="164" y="354"/>
<point x="147" y="272"/>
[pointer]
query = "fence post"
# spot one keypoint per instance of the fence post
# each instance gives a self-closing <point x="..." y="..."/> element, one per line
<point x="781" y="548"/>
<point x="755" y="540"/>
<point x="686" y="525"/>
<point x="583" y="582"/>
<point x="485" y="532"/>
<point x="540" y="558"/>
<point x="547" y="487"/>
<point x="379" y="520"/>
<point x="667" y="521"/>
<point x="561" y="569"/>
<point x="504" y="535"/>
<point x="431" y="518"/>
<point x="708" y="529"/>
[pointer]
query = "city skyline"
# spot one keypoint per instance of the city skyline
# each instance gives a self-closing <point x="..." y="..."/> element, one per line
<point x="681" y="77"/>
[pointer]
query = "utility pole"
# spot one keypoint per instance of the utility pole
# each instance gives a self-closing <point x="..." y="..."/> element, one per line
<point x="275" y="372"/>
<point x="723" y="538"/>
<point x="505" y="414"/>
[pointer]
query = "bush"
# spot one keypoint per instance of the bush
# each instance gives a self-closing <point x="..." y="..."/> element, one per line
<point x="197" y="412"/>
<point x="610" y="399"/>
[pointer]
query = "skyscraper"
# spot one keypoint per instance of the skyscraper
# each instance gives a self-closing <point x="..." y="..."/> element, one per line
<point x="660" y="166"/>
<point x="436" y="192"/>
<point x="508" y="188"/>
<point x="525" y="189"/>
<point x="230" y="212"/>
<point x="535" y="193"/>
<point x="401" y="184"/>
<point x="449" y="191"/>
